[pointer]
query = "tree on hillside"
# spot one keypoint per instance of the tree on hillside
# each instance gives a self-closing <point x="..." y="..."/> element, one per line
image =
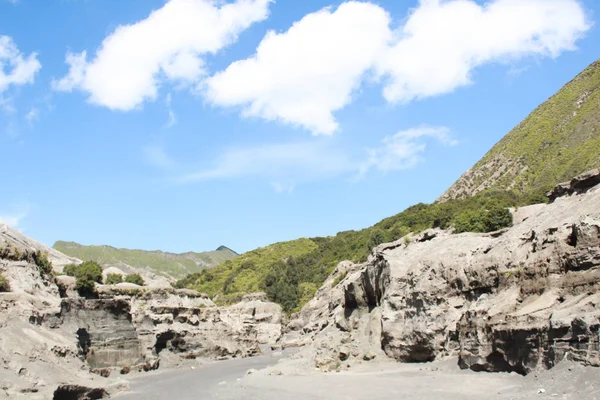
<point x="87" y="274"/>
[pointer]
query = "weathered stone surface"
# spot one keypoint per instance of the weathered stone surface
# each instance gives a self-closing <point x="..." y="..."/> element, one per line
<point x="577" y="185"/>
<point x="514" y="300"/>
<point x="51" y="339"/>
<point x="15" y="238"/>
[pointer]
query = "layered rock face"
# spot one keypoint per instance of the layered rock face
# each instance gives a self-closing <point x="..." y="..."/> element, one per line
<point x="51" y="339"/>
<point x="131" y="328"/>
<point x="35" y="355"/>
<point x="514" y="300"/>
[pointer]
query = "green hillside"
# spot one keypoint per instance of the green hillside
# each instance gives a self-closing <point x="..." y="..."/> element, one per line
<point x="291" y="272"/>
<point x="167" y="264"/>
<point x="557" y="141"/>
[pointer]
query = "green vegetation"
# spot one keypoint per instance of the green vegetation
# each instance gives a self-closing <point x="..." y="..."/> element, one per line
<point x="39" y="258"/>
<point x="340" y="278"/>
<point x="4" y="284"/>
<point x="87" y="274"/>
<point x="557" y="141"/>
<point x="166" y="264"/>
<point x="135" y="278"/>
<point x="290" y="272"/>
<point x="113" y="279"/>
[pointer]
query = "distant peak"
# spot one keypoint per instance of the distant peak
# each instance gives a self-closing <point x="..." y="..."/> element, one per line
<point x="225" y="248"/>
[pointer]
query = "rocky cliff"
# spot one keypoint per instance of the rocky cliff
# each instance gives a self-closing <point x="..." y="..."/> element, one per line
<point x="514" y="300"/>
<point x="55" y="344"/>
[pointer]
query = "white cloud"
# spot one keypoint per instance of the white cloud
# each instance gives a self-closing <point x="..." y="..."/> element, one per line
<point x="16" y="68"/>
<point x="404" y="150"/>
<point x="304" y="75"/>
<point x="443" y="41"/>
<point x="134" y="60"/>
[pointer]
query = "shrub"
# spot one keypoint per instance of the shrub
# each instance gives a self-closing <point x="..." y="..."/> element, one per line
<point x="70" y="269"/>
<point x="135" y="278"/>
<point x="113" y="279"/>
<point x="376" y="238"/>
<point x="44" y="265"/>
<point x="4" y="284"/>
<point x="87" y="274"/>
<point x="497" y="218"/>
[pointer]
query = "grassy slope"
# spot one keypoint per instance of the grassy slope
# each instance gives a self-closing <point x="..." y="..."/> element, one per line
<point x="557" y="141"/>
<point x="175" y="265"/>
<point x="560" y="139"/>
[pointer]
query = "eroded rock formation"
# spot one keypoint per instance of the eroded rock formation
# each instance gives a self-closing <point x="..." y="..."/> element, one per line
<point x="514" y="300"/>
<point x="51" y="339"/>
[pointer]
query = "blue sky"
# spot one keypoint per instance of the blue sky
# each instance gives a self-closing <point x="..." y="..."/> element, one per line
<point x="187" y="124"/>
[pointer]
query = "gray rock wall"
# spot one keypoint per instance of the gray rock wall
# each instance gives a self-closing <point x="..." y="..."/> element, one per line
<point x="515" y="300"/>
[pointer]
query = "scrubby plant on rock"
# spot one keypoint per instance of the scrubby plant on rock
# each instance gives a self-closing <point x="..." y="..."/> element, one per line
<point x="4" y="284"/>
<point x="135" y="279"/>
<point x="44" y="265"/>
<point x="113" y="279"/>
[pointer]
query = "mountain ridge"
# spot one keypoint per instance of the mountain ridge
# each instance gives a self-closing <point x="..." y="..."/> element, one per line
<point x="555" y="142"/>
<point x="168" y="264"/>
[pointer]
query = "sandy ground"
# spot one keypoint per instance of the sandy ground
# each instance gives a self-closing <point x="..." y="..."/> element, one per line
<point x="387" y="380"/>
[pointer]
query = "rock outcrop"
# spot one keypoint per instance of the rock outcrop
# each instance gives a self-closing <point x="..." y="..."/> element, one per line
<point x="55" y="343"/>
<point x="579" y="184"/>
<point x="14" y="238"/>
<point x="514" y="300"/>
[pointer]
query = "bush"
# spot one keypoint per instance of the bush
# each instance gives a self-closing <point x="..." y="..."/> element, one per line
<point x="4" y="284"/>
<point x="497" y="218"/>
<point x="44" y="265"/>
<point x="70" y="269"/>
<point x="87" y="274"/>
<point x="135" y="278"/>
<point x="376" y="238"/>
<point x="113" y="279"/>
<point x="470" y="221"/>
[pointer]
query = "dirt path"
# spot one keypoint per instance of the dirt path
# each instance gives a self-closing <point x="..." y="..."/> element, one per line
<point x="228" y="380"/>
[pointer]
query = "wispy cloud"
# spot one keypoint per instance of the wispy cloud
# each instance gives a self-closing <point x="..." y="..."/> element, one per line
<point x="32" y="116"/>
<point x="297" y="161"/>
<point x="280" y="187"/>
<point x="16" y="68"/>
<point x="16" y="214"/>
<point x="287" y="164"/>
<point x="405" y="149"/>
<point x="157" y="157"/>
<point x="172" y="120"/>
